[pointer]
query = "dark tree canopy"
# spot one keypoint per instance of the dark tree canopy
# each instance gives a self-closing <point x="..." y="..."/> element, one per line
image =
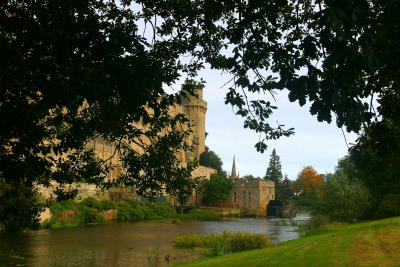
<point x="210" y="159"/>
<point x="376" y="159"/>
<point x="341" y="56"/>
<point x="73" y="70"/>
<point x="347" y="167"/>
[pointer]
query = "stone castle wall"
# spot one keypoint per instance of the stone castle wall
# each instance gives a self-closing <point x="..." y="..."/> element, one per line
<point x="90" y="191"/>
<point x="194" y="108"/>
<point x="118" y="193"/>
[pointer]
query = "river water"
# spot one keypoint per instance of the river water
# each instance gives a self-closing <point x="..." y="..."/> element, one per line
<point x="125" y="244"/>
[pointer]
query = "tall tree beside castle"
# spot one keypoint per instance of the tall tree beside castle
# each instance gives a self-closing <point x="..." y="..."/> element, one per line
<point x="210" y="159"/>
<point x="274" y="173"/>
<point x="217" y="189"/>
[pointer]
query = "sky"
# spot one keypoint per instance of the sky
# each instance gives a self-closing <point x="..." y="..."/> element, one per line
<point x="314" y="143"/>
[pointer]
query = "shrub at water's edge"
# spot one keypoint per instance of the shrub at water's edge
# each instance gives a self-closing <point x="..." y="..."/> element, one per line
<point x="220" y="244"/>
<point x="202" y="215"/>
<point x="190" y="240"/>
<point x="72" y="213"/>
<point x="130" y="210"/>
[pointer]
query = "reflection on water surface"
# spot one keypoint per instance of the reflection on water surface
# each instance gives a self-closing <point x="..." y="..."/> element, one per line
<point x="121" y="244"/>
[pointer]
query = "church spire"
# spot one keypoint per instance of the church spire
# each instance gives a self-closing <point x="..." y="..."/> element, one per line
<point x="233" y="173"/>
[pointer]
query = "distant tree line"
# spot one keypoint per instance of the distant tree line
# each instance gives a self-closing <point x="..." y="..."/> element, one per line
<point x="348" y="194"/>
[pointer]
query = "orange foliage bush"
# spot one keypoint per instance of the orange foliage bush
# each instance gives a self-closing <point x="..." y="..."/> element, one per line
<point x="308" y="180"/>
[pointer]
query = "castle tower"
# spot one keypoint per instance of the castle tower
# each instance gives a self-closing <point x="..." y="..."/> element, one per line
<point x="195" y="110"/>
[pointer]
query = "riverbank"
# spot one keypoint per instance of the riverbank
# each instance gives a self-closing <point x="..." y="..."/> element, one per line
<point x="70" y="213"/>
<point x="374" y="243"/>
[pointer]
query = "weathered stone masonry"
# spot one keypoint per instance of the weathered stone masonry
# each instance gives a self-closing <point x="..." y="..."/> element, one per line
<point x="194" y="108"/>
<point x="250" y="195"/>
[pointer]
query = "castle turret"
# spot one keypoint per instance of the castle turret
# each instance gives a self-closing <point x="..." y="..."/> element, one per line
<point x="195" y="110"/>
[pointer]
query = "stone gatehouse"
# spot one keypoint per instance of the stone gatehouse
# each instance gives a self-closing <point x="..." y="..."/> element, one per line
<point x="250" y="195"/>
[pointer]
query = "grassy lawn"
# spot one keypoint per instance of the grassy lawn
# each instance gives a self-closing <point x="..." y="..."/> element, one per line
<point x="374" y="243"/>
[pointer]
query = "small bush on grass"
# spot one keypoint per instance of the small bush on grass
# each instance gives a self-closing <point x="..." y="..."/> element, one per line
<point x="203" y="215"/>
<point x="220" y="244"/>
